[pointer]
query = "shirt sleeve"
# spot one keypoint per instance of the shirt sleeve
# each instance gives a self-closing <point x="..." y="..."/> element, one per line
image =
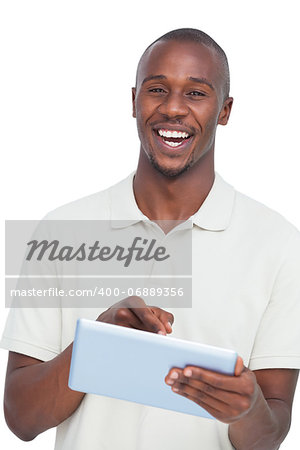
<point x="35" y="332"/>
<point x="31" y="328"/>
<point x="277" y="342"/>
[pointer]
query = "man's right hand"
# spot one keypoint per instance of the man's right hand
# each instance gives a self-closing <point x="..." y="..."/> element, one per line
<point x="132" y="312"/>
<point x="31" y="409"/>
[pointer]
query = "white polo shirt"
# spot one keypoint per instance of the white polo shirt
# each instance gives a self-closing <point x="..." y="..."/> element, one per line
<point x="246" y="296"/>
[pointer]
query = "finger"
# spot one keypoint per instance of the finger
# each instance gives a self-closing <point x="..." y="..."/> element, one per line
<point x="150" y="321"/>
<point x="206" y="404"/>
<point x="126" y="318"/>
<point x="147" y="318"/>
<point x="239" y="367"/>
<point x="226" y="412"/>
<point x="226" y="397"/>
<point x="130" y="302"/>
<point x="215" y="379"/>
<point x="165" y="317"/>
<point x="189" y="391"/>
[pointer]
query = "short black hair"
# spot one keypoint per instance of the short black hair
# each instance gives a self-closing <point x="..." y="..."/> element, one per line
<point x="195" y="35"/>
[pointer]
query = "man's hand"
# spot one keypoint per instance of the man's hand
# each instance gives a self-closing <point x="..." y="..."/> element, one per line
<point x="256" y="405"/>
<point x="132" y="312"/>
<point x="227" y="398"/>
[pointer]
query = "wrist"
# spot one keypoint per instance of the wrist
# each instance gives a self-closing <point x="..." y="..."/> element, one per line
<point x="257" y="429"/>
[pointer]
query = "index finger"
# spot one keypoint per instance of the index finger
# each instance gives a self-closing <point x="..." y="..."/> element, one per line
<point x="149" y="320"/>
<point x="165" y="317"/>
<point x="232" y="383"/>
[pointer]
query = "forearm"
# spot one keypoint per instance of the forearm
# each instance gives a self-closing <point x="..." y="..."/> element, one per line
<point x="37" y="397"/>
<point x="264" y="428"/>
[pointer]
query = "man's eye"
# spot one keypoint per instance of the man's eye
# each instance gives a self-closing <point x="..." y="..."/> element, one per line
<point x="196" y="94"/>
<point x="159" y="90"/>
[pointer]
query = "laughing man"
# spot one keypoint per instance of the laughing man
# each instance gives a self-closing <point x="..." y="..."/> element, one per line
<point x="246" y="284"/>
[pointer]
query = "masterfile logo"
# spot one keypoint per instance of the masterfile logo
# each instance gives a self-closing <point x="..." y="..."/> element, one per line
<point x="76" y="263"/>
<point x="54" y="250"/>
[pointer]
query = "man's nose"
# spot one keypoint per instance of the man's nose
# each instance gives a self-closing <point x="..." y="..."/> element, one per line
<point x="173" y="106"/>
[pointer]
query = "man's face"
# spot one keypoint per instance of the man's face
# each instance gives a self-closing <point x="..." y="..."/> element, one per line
<point x="178" y="103"/>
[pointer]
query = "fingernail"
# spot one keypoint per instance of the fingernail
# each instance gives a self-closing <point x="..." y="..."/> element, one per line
<point x="161" y="332"/>
<point x="170" y="381"/>
<point x="174" y="375"/>
<point x="169" y="323"/>
<point x="187" y="372"/>
<point x="175" y="389"/>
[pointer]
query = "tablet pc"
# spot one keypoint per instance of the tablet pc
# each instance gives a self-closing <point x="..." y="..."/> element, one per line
<point x="131" y="364"/>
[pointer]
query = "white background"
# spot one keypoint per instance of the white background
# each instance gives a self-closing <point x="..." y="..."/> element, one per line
<point x="66" y="127"/>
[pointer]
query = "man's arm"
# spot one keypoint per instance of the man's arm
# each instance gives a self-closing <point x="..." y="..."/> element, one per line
<point x="37" y="396"/>
<point x="266" y="426"/>
<point x="256" y="405"/>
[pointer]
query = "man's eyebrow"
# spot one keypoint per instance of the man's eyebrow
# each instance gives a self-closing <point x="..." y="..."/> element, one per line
<point x="202" y="81"/>
<point x="163" y="77"/>
<point x="154" y="77"/>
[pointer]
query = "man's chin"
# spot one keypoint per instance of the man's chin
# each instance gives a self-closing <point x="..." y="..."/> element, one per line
<point x="169" y="171"/>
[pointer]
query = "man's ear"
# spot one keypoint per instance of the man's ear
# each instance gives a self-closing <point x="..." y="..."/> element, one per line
<point x="225" y="112"/>
<point x="133" y="91"/>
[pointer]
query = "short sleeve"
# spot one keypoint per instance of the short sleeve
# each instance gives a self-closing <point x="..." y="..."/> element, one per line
<point x="277" y="342"/>
<point x="35" y="332"/>
<point x="32" y="329"/>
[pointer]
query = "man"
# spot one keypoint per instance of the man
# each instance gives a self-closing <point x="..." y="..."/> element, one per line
<point x="245" y="283"/>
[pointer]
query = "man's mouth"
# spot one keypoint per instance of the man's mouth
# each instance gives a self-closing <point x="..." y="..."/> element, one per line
<point x="173" y="138"/>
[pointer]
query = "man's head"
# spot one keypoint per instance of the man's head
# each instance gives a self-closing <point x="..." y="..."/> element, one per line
<point x="181" y="95"/>
<point x="197" y="36"/>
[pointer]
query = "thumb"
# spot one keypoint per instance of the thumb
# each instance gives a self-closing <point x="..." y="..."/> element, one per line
<point x="239" y="367"/>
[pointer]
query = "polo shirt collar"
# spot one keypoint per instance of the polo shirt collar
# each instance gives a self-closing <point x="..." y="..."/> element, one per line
<point x="215" y="212"/>
<point x="124" y="210"/>
<point x="213" y="215"/>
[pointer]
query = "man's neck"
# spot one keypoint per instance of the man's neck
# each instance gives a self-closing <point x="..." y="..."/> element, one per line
<point x="172" y="198"/>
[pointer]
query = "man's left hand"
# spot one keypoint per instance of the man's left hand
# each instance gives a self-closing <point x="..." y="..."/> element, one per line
<point x="227" y="398"/>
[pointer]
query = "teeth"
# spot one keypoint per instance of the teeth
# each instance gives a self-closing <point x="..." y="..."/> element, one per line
<point x="173" y="144"/>
<point x="173" y="134"/>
